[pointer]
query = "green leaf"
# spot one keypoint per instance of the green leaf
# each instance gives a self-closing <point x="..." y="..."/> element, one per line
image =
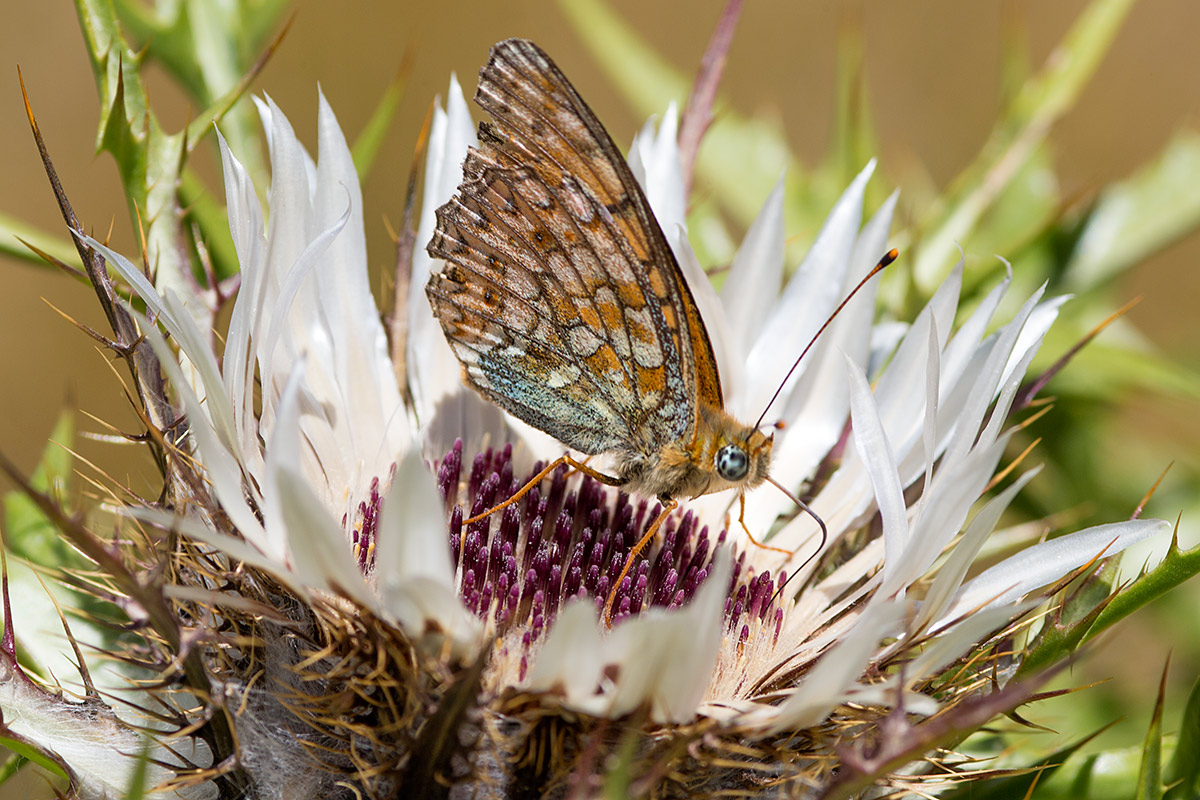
<point x="210" y="49"/>
<point x="1017" y="785"/>
<point x="13" y="230"/>
<point x="1139" y="215"/>
<point x="1057" y="641"/>
<point x="620" y="774"/>
<point x="1183" y="773"/>
<point x="31" y="754"/>
<point x="1117" y="362"/>
<point x="1018" y="134"/>
<point x="1108" y="774"/>
<point x="11" y="767"/>
<point x="137" y="782"/>
<point x="27" y="531"/>
<point x="1176" y="567"/>
<point x="213" y="223"/>
<point x="854" y="141"/>
<point x="367" y="145"/>
<point x="1027" y="206"/>
<point x="1062" y="634"/>
<point x="148" y="159"/>
<point x="1150" y="775"/>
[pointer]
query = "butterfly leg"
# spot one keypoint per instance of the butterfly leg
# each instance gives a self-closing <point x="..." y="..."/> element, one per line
<point x="750" y="536"/>
<point x="669" y="506"/>
<point x="578" y="466"/>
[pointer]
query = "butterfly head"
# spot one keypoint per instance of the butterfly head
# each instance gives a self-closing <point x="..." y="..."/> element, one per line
<point x="733" y="455"/>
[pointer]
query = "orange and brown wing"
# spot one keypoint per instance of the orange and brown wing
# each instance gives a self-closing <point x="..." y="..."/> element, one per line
<point x="562" y="299"/>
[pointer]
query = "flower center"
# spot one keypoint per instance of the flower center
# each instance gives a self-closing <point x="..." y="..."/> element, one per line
<point x="557" y="544"/>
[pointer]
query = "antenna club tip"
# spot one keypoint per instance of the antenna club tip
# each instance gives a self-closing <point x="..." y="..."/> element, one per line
<point x="889" y="257"/>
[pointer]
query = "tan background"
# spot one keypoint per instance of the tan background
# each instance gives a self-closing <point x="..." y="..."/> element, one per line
<point x="933" y="70"/>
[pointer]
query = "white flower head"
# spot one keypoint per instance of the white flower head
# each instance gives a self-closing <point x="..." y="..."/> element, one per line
<point x="314" y="481"/>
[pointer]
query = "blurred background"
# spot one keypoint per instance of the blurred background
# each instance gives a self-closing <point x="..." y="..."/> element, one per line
<point x="933" y="72"/>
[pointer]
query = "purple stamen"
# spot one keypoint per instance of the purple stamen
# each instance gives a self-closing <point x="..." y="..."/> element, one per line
<point x="558" y="544"/>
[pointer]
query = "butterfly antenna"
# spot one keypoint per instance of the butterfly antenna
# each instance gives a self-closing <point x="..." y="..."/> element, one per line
<point x="820" y="522"/>
<point x="888" y="258"/>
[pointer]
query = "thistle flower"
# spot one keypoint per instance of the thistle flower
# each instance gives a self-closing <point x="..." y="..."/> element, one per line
<point x="350" y="636"/>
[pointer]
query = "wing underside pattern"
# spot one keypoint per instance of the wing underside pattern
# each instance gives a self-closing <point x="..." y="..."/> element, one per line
<point x="562" y="298"/>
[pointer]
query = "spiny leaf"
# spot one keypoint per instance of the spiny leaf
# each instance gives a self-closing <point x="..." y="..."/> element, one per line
<point x="1060" y="637"/>
<point x="1176" y="567"/>
<point x="1020" y="783"/>
<point x="1150" y="775"/>
<point x="1183" y="773"/>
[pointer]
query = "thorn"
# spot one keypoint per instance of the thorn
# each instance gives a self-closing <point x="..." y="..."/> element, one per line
<point x="1004" y="473"/>
<point x="1030" y="390"/>
<point x="1137" y="512"/>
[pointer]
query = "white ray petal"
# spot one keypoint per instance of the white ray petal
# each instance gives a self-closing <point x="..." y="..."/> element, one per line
<point x="755" y="274"/>
<point x="433" y="369"/>
<point x="876" y="453"/>
<point x="827" y="683"/>
<point x="414" y="574"/>
<point x="1047" y="562"/>
<point x="811" y="294"/>
<point x="654" y="162"/>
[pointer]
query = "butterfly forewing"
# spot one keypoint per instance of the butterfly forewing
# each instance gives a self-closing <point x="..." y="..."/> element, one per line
<point x="563" y="301"/>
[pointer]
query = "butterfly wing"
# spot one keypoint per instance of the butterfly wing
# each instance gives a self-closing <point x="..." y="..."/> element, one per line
<point x="562" y="298"/>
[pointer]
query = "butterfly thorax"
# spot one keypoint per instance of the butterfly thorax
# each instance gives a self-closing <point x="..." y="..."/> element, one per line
<point x="722" y="454"/>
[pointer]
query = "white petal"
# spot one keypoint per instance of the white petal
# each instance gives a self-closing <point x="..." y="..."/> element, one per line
<point x="317" y="549"/>
<point x="414" y="574"/>
<point x="570" y="661"/>
<point x="950" y="576"/>
<point x="654" y="161"/>
<point x="810" y="296"/>
<point x="661" y="657"/>
<point x="826" y="684"/>
<point x="249" y="239"/>
<point x="966" y="634"/>
<point x="876" y="454"/>
<point x="369" y="396"/>
<point x="756" y="273"/>
<point x="194" y="343"/>
<point x="1047" y="562"/>
<point x="433" y="369"/>
<point x="670" y="654"/>
<point x="818" y="408"/>
<point x="222" y="468"/>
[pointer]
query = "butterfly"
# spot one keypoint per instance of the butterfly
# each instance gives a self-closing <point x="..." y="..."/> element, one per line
<point x="562" y="299"/>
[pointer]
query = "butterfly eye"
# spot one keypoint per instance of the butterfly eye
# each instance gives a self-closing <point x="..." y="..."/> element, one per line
<point x="732" y="462"/>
